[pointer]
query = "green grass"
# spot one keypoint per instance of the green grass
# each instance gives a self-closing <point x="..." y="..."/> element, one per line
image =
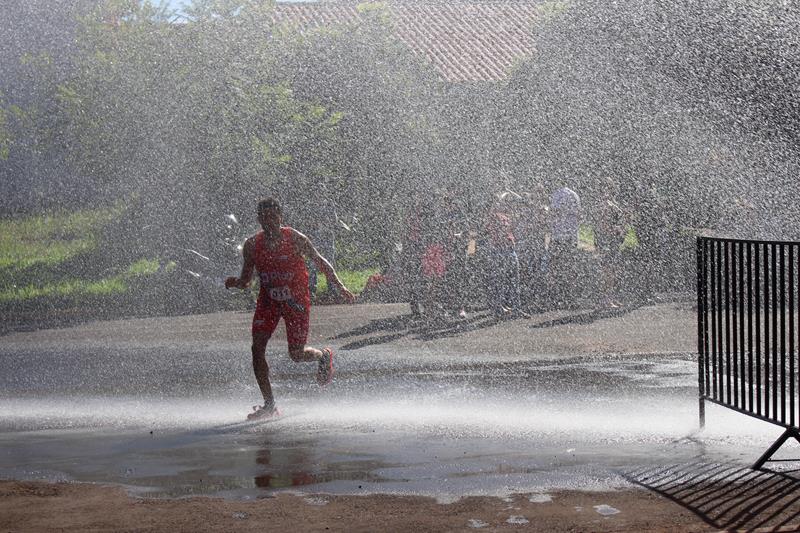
<point x="144" y="267"/>
<point x="77" y="288"/>
<point x="585" y="235"/>
<point x="44" y="242"/>
<point x="631" y="240"/>
<point x="49" y="240"/>
<point x="64" y="288"/>
<point x="355" y="280"/>
<point x="586" y="238"/>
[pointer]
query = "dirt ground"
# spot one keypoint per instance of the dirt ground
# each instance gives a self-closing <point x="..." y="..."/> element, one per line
<point x="27" y="506"/>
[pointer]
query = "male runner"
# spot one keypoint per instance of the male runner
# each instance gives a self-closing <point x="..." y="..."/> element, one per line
<point x="278" y="253"/>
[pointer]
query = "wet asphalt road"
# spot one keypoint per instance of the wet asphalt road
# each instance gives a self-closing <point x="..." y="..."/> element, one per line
<point x="570" y="399"/>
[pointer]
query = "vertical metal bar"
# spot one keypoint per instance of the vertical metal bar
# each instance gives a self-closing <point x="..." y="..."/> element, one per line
<point x="733" y="365"/>
<point x="706" y="249"/>
<point x="782" y="377"/>
<point x="701" y="333"/>
<point x="774" y="350"/>
<point x="750" y="325"/>
<point x="742" y="372"/>
<point x="767" y="314"/>
<point x="792" y="399"/>
<point x="714" y="308"/>
<point x="734" y="303"/>
<point x="757" y="281"/>
<point x="727" y="259"/>
<point x="720" y="367"/>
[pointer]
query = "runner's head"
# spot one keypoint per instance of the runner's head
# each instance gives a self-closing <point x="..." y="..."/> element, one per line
<point x="270" y="214"/>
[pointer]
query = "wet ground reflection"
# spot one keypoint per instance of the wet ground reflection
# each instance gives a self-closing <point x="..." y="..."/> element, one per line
<point x="430" y="426"/>
<point x="284" y="467"/>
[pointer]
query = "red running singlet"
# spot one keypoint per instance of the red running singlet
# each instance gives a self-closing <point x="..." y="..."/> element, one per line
<point x="284" y="288"/>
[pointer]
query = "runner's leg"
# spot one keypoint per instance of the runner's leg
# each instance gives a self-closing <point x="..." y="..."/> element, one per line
<point x="301" y="353"/>
<point x="297" y="333"/>
<point x="265" y="320"/>
<point x="261" y="368"/>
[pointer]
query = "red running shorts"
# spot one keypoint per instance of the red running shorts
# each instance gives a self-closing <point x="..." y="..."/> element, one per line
<point x="269" y="313"/>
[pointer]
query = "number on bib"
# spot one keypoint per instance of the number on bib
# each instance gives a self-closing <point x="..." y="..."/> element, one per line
<point x="280" y="294"/>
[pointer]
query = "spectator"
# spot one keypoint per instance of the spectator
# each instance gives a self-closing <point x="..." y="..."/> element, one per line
<point x="502" y="266"/>
<point x="565" y="217"/>
<point x="457" y="277"/>
<point x="609" y="233"/>
<point x="530" y="232"/>
<point x="411" y="258"/>
<point x="435" y="261"/>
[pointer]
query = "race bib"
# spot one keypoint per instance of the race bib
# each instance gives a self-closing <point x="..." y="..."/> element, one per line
<point x="280" y="294"/>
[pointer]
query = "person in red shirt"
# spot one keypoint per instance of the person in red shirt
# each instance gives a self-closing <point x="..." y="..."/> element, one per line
<point x="278" y="254"/>
<point x="503" y="266"/>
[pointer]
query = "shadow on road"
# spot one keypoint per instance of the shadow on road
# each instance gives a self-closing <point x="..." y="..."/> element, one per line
<point x="727" y="496"/>
<point x="384" y="330"/>
<point x="586" y="317"/>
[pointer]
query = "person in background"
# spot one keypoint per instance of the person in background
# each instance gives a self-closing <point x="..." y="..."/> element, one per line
<point x="502" y="265"/>
<point x="530" y="233"/>
<point x="411" y="258"/>
<point x="565" y="218"/>
<point x="457" y="276"/>
<point x="609" y="233"/>
<point x="435" y="260"/>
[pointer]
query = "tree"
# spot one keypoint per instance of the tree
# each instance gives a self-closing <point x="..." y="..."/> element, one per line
<point x="185" y="122"/>
<point x="35" y="58"/>
<point x="677" y="102"/>
<point x="389" y="151"/>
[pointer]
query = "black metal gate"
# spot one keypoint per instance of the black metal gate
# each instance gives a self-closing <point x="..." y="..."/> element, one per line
<point x="747" y="328"/>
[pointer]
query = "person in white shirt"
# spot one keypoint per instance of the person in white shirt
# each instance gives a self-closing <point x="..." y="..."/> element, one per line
<point x="565" y="218"/>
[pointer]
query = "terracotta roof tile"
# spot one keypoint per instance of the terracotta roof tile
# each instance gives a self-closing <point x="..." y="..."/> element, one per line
<point x="465" y="40"/>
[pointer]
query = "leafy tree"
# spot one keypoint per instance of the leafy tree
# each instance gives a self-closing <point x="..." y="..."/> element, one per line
<point x="185" y="119"/>
<point x="389" y="150"/>
<point x="678" y="104"/>
<point x="35" y="57"/>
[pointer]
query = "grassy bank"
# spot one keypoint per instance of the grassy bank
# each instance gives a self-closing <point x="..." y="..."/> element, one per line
<point x="54" y="271"/>
<point x="54" y="266"/>
<point x="49" y="240"/>
<point x="355" y="280"/>
<point x="50" y="256"/>
<point x="73" y="287"/>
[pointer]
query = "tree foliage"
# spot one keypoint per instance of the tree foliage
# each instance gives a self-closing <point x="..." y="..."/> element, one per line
<point x="685" y="108"/>
<point x="36" y="56"/>
<point x="389" y="149"/>
<point x="198" y="119"/>
<point x="689" y="110"/>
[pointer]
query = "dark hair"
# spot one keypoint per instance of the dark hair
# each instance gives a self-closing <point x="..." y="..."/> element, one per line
<point x="269" y="203"/>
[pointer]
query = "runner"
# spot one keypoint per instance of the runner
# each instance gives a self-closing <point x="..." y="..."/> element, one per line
<point x="278" y="253"/>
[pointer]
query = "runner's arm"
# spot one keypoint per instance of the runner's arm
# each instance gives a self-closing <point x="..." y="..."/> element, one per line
<point x="305" y="247"/>
<point x="247" y="268"/>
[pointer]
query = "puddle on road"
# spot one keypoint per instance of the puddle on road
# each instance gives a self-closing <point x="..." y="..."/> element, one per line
<point x="488" y="429"/>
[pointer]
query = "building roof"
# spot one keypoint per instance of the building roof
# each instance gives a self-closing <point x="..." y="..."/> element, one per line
<point x="465" y="40"/>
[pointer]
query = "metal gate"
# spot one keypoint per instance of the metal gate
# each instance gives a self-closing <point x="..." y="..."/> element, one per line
<point x="747" y="330"/>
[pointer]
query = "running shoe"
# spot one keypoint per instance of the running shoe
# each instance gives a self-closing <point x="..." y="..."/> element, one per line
<point x="264" y="412"/>
<point x="325" y="368"/>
